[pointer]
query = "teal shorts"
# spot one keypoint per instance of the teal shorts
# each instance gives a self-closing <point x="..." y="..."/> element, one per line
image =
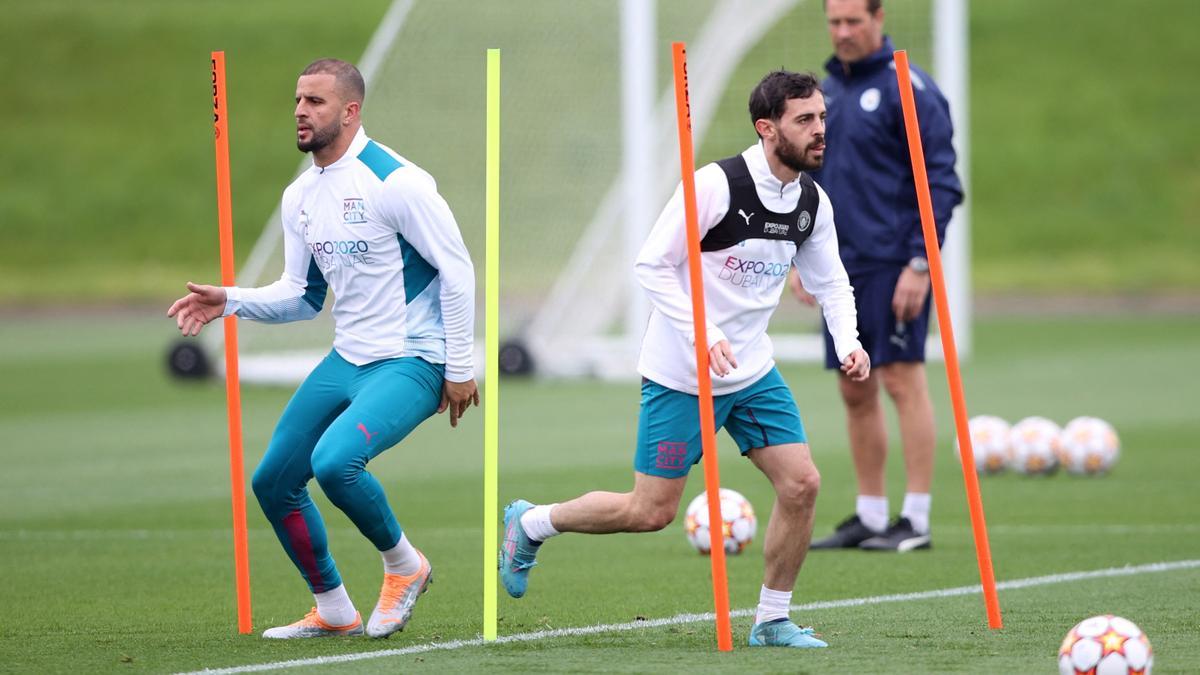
<point x="758" y="416"/>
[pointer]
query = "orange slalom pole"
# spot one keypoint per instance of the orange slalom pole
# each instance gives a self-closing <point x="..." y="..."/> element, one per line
<point x="949" y="350"/>
<point x="708" y="432"/>
<point x="233" y="395"/>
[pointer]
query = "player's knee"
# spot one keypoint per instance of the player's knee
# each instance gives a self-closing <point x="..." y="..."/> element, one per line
<point x="332" y="472"/>
<point x="893" y="384"/>
<point x="859" y="395"/>
<point x="902" y="383"/>
<point x="800" y="489"/>
<point x="265" y="484"/>
<point x="656" y="518"/>
<point x="649" y="517"/>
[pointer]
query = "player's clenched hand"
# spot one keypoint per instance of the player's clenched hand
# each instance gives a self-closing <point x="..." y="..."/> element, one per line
<point x="457" y="397"/>
<point x="797" y="289"/>
<point x="857" y="366"/>
<point x="911" y="290"/>
<point x="201" y="305"/>
<point x="721" y="359"/>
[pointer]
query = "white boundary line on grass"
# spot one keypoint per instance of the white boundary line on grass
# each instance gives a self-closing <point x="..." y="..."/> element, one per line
<point x="697" y="618"/>
<point x="224" y="533"/>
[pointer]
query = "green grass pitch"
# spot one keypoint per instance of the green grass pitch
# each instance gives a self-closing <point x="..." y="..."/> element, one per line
<point x="115" y="529"/>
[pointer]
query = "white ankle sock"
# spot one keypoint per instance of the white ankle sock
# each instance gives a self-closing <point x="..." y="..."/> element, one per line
<point x="536" y="522"/>
<point x="872" y="511"/>
<point x="772" y="605"/>
<point x="916" y="509"/>
<point x="334" y="607"/>
<point x="402" y="558"/>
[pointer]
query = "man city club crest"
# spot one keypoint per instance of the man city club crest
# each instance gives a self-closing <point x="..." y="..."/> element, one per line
<point x="869" y="101"/>
<point x="804" y="221"/>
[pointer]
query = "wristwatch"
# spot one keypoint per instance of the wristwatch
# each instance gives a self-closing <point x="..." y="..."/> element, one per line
<point x="918" y="264"/>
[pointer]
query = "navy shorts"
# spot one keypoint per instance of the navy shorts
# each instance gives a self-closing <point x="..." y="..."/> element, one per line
<point x="669" y="443"/>
<point x="885" y="339"/>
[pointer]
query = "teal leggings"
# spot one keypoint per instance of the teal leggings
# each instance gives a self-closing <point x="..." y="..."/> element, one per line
<point x="340" y="418"/>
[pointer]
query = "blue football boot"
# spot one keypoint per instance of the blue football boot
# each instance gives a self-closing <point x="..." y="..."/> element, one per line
<point x="518" y="551"/>
<point x="783" y="633"/>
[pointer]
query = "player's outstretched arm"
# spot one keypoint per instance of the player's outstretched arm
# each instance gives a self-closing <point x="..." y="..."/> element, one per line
<point x="202" y="304"/>
<point x="457" y="397"/>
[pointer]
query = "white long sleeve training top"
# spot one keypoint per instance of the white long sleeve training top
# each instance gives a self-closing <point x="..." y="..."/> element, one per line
<point x="373" y="227"/>
<point x="742" y="283"/>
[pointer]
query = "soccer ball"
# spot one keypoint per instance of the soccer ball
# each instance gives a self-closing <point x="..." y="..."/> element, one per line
<point x="989" y="442"/>
<point x="1089" y="445"/>
<point x="738" y="523"/>
<point x="1035" y="446"/>
<point x="1105" y="645"/>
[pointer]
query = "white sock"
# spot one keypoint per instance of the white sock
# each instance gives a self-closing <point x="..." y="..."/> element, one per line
<point x="334" y="607"/>
<point x="536" y="522"/>
<point x="872" y="511"/>
<point x="916" y="509"/>
<point x="402" y="558"/>
<point x="772" y="605"/>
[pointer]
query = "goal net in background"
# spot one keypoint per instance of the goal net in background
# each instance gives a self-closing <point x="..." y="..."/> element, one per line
<point x="587" y="150"/>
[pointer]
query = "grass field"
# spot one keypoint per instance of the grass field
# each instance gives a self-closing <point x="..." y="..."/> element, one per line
<point x="115" y="544"/>
<point x="115" y="134"/>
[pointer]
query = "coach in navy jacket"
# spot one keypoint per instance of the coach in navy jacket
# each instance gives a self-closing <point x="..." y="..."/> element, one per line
<point x="868" y="171"/>
<point x="868" y="176"/>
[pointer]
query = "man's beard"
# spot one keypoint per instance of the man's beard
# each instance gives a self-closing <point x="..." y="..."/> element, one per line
<point x="795" y="160"/>
<point x="320" y="138"/>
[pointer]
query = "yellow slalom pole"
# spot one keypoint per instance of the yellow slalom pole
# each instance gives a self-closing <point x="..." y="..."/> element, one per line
<point x="491" y="381"/>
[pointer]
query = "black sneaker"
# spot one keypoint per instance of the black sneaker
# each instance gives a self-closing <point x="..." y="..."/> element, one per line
<point x="849" y="534"/>
<point x="900" y="537"/>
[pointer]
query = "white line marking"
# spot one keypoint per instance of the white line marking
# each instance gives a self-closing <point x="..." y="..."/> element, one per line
<point x="155" y="534"/>
<point x="697" y="618"/>
<point x="381" y="42"/>
<point x="1001" y="530"/>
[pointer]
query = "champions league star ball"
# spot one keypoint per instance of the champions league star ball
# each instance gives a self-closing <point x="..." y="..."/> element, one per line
<point x="1035" y="446"/>
<point x="1105" y="645"/>
<point x="989" y="442"/>
<point x="1088" y="445"/>
<point x="738" y="524"/>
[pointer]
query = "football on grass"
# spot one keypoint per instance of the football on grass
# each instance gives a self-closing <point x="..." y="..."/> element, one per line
<point x="989" y="443"/>
<point x="1089" y="445"/>
<point x="1035" y="446"/>
<point x="1105" y="645"/>
<point x="738" y="524"/>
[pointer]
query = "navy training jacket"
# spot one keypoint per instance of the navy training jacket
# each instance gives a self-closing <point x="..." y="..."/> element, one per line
<point x="867" y="172"/>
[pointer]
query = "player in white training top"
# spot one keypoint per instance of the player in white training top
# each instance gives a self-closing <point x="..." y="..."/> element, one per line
<point x="758" y="215"/>
<point x="371" y="225"/>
